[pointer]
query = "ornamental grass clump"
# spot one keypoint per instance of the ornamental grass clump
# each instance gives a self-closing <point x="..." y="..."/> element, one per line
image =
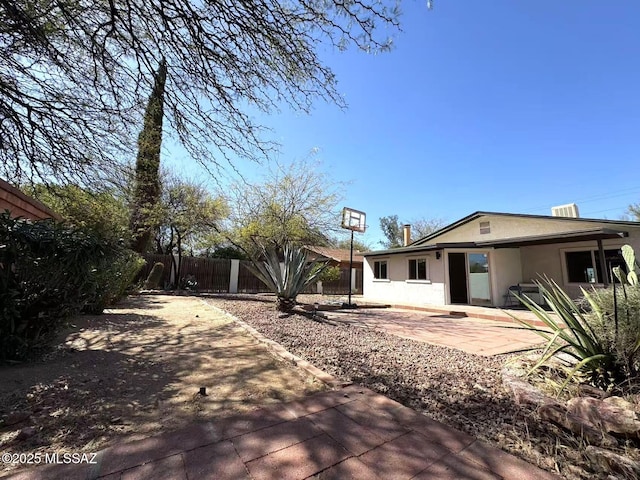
<point x="616" y="321"/>
<point x="600" y="332"/>
<point x="615" y="312"/>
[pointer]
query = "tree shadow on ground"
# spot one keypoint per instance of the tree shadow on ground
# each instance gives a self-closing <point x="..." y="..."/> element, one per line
<point x="146" y="302"/>
<point x="250" y="297"/>
<point x="125" y="373"/>
<point x="459" y="389"/>
<point x="465" y="405"/>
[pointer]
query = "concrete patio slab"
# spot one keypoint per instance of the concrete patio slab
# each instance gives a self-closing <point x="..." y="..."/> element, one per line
<point x="469" y="334"/>
<point x="351" y="433"/>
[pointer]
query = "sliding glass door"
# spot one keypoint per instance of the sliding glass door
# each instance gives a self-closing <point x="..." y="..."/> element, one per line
<point x="478" y="275"/>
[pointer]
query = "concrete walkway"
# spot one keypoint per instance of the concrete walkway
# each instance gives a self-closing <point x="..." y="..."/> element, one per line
<point x="469" y="334"/>
<point x="351" y="433"/>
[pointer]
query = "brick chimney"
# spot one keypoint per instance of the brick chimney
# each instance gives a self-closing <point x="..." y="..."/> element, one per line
<point x="406" y="235"/>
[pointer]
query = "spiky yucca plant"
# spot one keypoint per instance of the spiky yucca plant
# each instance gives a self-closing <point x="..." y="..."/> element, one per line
<point x="288" y="280"/>
<point x="568" y="330"/>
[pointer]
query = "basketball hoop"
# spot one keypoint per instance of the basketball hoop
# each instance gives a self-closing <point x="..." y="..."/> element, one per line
<point x="354" y="220"/>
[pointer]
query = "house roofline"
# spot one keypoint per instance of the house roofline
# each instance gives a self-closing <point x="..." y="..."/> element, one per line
<point x="565" y="237"/>
<point x="420" y="248"/>
<point x="473" y="216"/>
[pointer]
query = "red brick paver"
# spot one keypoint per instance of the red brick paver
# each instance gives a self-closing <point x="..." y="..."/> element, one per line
<point x="470" y="334"/>
<point x="351" y="433"/>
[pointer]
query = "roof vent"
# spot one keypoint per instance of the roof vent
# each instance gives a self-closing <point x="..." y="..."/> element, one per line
<point x="569" y="210"/>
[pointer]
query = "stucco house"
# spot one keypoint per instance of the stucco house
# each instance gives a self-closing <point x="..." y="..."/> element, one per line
<point x="475" y="260"/>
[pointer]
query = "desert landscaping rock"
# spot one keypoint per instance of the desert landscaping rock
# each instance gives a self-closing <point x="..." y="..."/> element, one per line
<point x="16" y="417"/>
<point x="525" y="394"/>
<point x="590" y="391"/>
<point x="613" y="414"/>
<point x="581" y="427"/>
<point x="610" y="462"/>
<point x="25" y="433"/>
<point x="590" y="416"/>
<point x="462" y="390"/>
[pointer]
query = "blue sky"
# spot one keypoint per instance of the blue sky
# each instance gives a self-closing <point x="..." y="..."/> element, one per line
<point x="500" y="105"/>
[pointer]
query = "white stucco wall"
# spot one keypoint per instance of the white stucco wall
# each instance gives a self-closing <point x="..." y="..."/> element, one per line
<point x="549" y="259"/>
<point x="508" y="266"/>
<point x="506" y="270"/>
<point x="400" y="291"/>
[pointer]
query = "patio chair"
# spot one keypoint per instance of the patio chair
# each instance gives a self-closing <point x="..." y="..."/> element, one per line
<point x="510" y="299"/>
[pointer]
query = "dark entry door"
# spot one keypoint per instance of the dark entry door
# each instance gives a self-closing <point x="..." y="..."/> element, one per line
<point x="458" y="278"/>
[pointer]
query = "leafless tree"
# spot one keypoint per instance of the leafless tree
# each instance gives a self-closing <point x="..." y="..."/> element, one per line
<point x="75" y="74"/>
<point x="294" y="204"/>
<point x="392" y="230"/>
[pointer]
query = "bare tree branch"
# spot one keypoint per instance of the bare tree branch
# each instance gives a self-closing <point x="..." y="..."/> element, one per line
<point x="75" y="74"/>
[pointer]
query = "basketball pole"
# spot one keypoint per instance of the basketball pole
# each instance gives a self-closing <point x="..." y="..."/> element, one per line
<point x="353" y="220"/>
<point x="350" y="268"/>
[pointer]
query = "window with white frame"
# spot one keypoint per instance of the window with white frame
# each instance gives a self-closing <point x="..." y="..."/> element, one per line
<point x="584" y="266"/>
<point x="380" y="269"/>
<point x="418" y="269"/>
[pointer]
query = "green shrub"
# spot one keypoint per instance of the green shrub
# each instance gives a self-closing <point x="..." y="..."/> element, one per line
<point x="111" y="278"/>
<point x="48" y="272"/>
<point x="330" y="274"/>
<point x="614" y="314"/>
<point x="569" y="332"/>
<point x="615" y="320"/>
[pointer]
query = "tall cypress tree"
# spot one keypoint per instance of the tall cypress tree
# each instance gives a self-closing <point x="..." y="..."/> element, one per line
<point x="147" y="182"/>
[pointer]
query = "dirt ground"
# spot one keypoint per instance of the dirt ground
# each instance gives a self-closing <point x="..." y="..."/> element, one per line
<point x="136" y="371"/>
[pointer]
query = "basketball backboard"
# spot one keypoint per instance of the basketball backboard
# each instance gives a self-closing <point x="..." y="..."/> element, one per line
<point x="354" y="220"/>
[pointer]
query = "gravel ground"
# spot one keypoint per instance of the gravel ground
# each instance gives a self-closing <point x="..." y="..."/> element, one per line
<point x="459" y="389"/>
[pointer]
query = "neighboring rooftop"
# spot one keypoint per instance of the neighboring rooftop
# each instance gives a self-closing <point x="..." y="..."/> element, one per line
<point x="22" y="205"/>
<point x="340" y="255"/>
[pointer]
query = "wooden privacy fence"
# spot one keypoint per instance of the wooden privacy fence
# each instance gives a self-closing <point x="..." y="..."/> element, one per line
<point x="211" y="274"/>
<point x="152" y="259"/>
<point x="341" y="286"/>
<point x="248" y="282"/>
<point x="221" y="275"/>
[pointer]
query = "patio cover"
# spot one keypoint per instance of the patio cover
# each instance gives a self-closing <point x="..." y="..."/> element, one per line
<point x="593" y="234"/>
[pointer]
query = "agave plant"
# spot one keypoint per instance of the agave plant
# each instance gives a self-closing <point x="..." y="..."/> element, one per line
<point x="573" y="332"/>
<point x="289" y="279"/>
